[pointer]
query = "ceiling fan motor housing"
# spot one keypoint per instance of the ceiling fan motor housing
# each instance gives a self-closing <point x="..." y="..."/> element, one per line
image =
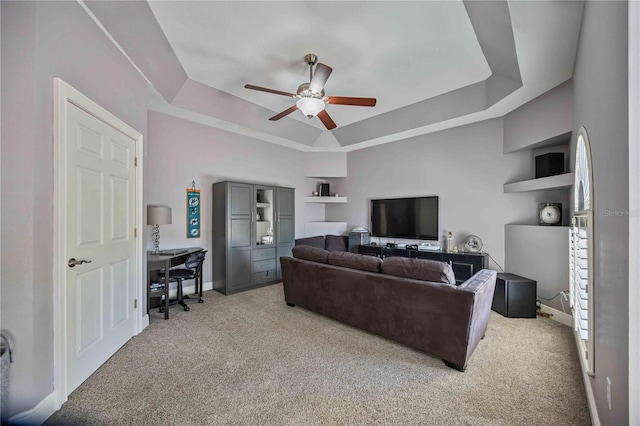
<point x="305" y="92"/>
<point x="311" y="58"/>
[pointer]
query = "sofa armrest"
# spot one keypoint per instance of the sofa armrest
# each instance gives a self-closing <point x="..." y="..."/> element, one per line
<point x="479" y="280"/>
<point x="482" y="285"/>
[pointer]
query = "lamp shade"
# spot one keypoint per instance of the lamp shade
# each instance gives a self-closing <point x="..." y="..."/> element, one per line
<point x="158" y="215"/>
<point x="310" y="106"/>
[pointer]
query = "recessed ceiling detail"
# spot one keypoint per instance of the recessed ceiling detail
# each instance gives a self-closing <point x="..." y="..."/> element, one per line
<point x="431" y="65"/>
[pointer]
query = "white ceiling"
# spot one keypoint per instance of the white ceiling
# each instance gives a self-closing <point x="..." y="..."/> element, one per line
<point x="397" y="52"/>
<point x="431" y="65"/>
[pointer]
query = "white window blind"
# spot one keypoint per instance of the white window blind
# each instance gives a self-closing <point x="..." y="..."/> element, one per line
<point x="580" y="261"/>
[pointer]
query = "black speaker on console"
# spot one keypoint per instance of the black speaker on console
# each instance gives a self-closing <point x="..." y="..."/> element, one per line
<point x="550" y="164"/>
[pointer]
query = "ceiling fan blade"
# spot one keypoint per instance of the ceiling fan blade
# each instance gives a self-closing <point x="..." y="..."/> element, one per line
<point x="264" y="89"/>
<point x="342" y="100"/>
<point x="326" y="120"/>
<point x="320" y="76"/>
<point x="284" y="113"/>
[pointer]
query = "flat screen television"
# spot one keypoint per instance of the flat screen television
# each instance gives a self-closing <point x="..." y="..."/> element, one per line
<point x="412" y="218"/>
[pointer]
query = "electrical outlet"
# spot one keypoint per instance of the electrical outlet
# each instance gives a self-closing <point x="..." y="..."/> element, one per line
<point x="609" y="391"/>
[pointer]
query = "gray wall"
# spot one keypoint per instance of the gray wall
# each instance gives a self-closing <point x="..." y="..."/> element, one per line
<point x="464" y="166"/>
<point x="180" y="151"/>
<point x="39" y="41"/>
<point x="544" y="257"/>
<point x="543" y="118"/>
<point x="600" y="105"/>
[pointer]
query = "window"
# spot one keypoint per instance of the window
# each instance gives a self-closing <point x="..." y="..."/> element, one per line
<point x="581" y="253"/>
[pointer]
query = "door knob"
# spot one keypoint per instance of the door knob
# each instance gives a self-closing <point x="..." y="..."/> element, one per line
<point x="73" y="262"/>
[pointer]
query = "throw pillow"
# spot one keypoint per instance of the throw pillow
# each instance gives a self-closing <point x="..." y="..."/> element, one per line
<point x="311" y="241"/>
<point x="335" y="243"/>
<point x="310" y="253"/>
<point x="419" y="269"/>
<point x="354" y="261"/>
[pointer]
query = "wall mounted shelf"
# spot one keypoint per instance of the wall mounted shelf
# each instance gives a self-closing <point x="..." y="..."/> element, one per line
<point x="563" y="181"/>
<point x="325" y="200"/>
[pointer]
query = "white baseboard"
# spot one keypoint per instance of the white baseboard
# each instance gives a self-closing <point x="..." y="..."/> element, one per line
<point x="191" y="288"/>
<point x="38" y="414"/>
<point x="145" y="322"/>
<point x="591" y="400"/>
<point x="556" y="315"/>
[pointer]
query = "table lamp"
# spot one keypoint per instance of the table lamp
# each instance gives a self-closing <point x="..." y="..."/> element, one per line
<point x="156" y="216"/>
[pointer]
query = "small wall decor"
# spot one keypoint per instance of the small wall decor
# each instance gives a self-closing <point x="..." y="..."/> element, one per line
<point x="193" y="211"/>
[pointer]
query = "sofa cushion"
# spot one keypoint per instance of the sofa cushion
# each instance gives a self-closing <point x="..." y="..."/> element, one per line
<point x="336" y="243"/>
<point x="354" y="261"/>
<point x="419" y="269"/>
<point x="314" y="254"/>
<point x="311" y="241"/>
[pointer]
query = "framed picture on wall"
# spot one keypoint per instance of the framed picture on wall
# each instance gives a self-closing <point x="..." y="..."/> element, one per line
<point x="193" y="211"/>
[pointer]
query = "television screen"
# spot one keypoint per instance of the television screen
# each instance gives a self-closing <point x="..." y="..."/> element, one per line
<point x="412" y="218"/>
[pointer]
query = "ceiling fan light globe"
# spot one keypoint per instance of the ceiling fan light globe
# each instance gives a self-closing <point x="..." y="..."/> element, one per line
<point x="310" y="106"/>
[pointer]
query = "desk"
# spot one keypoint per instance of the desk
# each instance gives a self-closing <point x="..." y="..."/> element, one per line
<point x="157" y="262"/>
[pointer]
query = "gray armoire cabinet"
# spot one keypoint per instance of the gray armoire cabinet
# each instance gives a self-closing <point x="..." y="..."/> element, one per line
<point x="253" y="226"/>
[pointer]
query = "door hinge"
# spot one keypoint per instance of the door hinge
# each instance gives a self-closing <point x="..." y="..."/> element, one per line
<point x="135" y="161"/>
<point x="135" y="232"/>
<point x="135" y="303"/>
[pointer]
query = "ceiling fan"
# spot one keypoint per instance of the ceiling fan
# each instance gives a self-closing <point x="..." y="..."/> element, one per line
<point x="311" y="99"/>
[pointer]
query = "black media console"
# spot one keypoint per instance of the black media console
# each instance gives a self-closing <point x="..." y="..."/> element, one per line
<point x="464" y="265"/>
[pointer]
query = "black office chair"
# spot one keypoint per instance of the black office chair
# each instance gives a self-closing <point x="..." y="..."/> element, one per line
<point x="192" y="270"/>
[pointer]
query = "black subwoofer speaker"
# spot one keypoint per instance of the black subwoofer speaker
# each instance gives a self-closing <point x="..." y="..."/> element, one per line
<point x="515" y="296"/>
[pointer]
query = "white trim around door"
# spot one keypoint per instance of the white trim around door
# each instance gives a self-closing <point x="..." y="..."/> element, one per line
<point x="63" y="96"/>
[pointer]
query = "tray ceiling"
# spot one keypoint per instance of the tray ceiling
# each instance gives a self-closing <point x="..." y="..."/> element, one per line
<point x="431" y="65"/>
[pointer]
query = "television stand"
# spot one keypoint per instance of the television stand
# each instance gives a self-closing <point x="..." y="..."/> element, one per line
<point x="464" y="264"/>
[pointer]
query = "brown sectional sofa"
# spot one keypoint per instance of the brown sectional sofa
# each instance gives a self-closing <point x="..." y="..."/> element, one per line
<point x="411" y="301"/>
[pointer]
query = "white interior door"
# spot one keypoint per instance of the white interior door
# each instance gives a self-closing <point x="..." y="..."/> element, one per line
<point x="100" y="218"/>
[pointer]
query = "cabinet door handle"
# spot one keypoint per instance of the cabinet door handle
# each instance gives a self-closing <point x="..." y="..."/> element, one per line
<point x="252" y="217"/>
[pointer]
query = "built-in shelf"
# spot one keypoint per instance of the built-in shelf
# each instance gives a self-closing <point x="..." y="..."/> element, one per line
<point x="563" y="181"/>
<point x="538" y="226"/>
<point x="325" y="200"/>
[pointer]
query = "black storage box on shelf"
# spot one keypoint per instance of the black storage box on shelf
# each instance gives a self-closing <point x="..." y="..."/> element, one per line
<point x="549" y="164"/>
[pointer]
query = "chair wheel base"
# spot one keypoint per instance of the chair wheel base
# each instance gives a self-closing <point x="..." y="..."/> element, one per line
<point x="200" y="300"/>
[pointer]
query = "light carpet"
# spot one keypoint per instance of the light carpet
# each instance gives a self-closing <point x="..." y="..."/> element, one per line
<point x="250" y="359"/>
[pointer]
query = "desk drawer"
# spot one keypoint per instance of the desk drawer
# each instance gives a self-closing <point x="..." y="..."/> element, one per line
<point x="263" y="254"/>
<point x="264" y="265"/>
<point x="264" y="277"/>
